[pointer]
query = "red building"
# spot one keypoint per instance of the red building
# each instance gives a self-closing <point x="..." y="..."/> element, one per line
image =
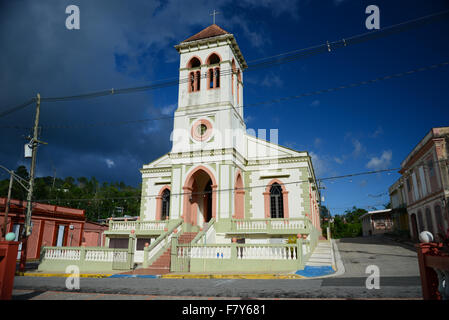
<point x="51" y="226"/>
<point x="93" y="234"/>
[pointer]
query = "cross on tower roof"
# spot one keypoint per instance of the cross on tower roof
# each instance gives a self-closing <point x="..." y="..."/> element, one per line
<point x="213" y="14"/>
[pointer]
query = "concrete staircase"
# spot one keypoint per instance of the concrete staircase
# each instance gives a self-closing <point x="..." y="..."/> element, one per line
<point x="162" y="264"/>
<point x="322" y="255"/>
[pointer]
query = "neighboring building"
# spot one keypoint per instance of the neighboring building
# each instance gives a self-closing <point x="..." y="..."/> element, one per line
<point x="376" y="222"/>
<point x="399" y="208"/>
<point x="216" y="175"/>
<point x="51" y="226"/>
<point x="93" y="234"/>
<point x="424" y="185"/>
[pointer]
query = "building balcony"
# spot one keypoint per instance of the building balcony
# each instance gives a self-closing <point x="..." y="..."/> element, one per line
<point x="139" y="227"/>
<point x="274" y="226"/>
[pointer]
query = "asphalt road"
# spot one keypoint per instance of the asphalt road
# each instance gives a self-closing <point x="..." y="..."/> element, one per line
<point x="398" y="269"/>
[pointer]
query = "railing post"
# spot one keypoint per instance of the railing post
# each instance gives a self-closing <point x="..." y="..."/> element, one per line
<point x="299" y="251"/>
<point x="82" y="257"/>
<point x="145" y="257"/>
<point x="174" y="252"/>
<point x="130" y="256"/>
<point x="234" y="252"/>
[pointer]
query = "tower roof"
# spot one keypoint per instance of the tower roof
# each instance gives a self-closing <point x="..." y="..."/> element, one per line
<point x="211" y="31"/>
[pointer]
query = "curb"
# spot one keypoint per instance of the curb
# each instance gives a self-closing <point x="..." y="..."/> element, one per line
<point x="231" y="276"/>
<point x="63" y="275"/>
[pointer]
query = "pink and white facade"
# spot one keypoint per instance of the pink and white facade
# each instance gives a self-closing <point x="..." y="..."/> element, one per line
<point x="424" y="186"/>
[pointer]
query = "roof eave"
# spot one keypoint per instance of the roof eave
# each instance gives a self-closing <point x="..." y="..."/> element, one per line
<point x="199" y="42"/>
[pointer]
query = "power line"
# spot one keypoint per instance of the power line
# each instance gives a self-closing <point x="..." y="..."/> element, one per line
<point x="271" y="101"/>
<point x="268" y="62"/>
<point x="222" y="190"/>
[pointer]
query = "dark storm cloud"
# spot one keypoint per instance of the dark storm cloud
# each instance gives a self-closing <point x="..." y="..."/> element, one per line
<point x="120" y="44"/>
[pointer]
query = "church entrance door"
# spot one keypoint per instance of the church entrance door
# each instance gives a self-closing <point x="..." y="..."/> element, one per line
<point x="199" y="197"/>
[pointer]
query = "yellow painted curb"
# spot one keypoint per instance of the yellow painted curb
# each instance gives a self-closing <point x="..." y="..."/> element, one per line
<point x="231" y="276"/>
<point x="65" y="275"/>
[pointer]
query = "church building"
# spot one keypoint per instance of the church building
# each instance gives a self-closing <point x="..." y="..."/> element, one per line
<point x="215" y="169"/>
<point x="221" y="199"/>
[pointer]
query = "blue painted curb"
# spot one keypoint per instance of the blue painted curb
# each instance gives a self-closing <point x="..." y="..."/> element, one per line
<point x="315" y="271"/>
<point x="133" y="276"/>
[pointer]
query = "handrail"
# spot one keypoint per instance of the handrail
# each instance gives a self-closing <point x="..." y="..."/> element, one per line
<point x="148" y="250"/>
<point x="203" y="232"/>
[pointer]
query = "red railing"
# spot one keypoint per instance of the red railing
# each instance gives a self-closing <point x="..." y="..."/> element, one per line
<point x="8" y="256"/>
<point x="434" y="270"/>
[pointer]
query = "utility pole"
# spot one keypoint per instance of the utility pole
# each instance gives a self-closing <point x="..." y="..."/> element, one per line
<point x="27" y="229"/>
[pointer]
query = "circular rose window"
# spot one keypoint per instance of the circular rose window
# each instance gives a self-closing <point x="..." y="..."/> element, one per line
<point x="201" y="130"/>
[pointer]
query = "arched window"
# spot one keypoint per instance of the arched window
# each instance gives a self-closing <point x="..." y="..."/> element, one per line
<point x="429" y="220"/>
<point x="213" y="59"/>
<point x="194" y="63"/>
<point x="439" y="219"/>
<point x="420" y="222"/>
<point x="165" y="208"/>
<point x="191" y="82"/>
<point x="276" y="201"/>
<point x="239" y="79"/>
<point x="234" y="70"/>
<point x="217" y="77"/>
<point x="213" y="73"/>
<point x="194" y="76"/>
<point x="198" y="80"/>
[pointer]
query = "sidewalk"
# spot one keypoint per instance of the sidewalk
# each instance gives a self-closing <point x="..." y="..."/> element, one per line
<point x="321" y="263"/>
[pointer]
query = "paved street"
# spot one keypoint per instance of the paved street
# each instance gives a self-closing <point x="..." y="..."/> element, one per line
<point x="399" y="278"/>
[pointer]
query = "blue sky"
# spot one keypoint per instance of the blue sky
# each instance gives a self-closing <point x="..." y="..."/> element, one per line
<point x="130" y="43"/>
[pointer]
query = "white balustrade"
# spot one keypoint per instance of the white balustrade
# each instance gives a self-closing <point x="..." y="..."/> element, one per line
<point x="62" y="254"/>
<point x="138" y="225"/>
<point x="205" y="252"/>
<point x="100" y="255"/>
<point x="120" y="256"/>
<point x="153" y="226"/>
<point x="264" y="224"/>
<point x="261" y="252"/>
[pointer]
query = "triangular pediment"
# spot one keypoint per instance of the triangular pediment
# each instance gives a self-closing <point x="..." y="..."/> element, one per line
<point x="258" y="149"/>
<point x="161" y="162"/>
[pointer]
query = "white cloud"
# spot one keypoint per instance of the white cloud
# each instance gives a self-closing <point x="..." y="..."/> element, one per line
<point x="168" y="110"/>
<point x="319" y="164"/>
<point x="358" y="147"/>
<point x="317" y="142"/>
<point x="339" y="160"/>
<point x="383" y="162"/>
<point x="110" y="163"/>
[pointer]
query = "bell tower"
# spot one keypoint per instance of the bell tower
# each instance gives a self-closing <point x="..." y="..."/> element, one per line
<point x="210" y="98"/>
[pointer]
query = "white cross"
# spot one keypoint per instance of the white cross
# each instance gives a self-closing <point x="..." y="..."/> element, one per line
<point x="214" y="13"/>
